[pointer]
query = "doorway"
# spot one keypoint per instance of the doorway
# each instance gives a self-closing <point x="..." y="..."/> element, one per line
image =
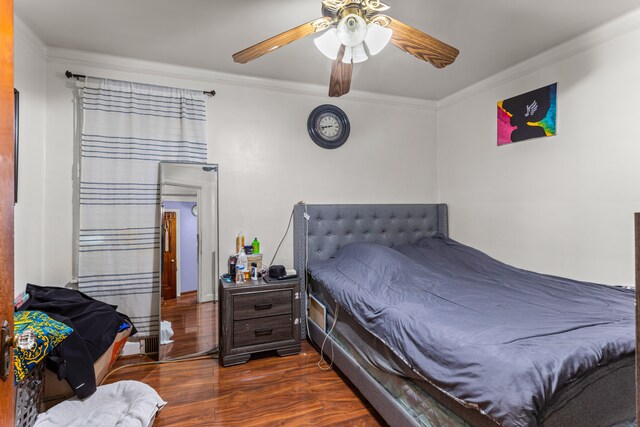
<point x="180" y="248"/>
<point x="170" y="259"/>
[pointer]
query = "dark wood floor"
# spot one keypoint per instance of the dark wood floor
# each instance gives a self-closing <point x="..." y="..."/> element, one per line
<point x="195" y="326"/>
<point x="268" y="391"/>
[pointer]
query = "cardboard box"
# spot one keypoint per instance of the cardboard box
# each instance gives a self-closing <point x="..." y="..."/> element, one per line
<point x="55" y="391"/>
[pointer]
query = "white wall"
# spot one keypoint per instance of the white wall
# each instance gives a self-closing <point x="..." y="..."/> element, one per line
<point x="257" y="134"/>
<point x="562" y="205"/>
<point x="30" y="82"/>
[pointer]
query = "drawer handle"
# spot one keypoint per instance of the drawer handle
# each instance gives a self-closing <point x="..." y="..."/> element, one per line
<point x="263" y="332"/>
<point x="263" y="306"/>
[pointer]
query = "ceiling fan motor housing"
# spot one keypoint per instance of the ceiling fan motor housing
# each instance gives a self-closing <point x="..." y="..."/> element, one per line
<point x="352" y="30"/>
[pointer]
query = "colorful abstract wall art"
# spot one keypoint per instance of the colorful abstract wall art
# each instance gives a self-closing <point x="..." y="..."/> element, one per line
<point x="526" y="116"/>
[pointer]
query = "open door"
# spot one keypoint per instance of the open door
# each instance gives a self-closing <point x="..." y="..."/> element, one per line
<point x="169" y="256"/>
<point x="7" y="405"/>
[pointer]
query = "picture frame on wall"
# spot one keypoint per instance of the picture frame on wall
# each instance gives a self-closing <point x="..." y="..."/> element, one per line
<point x="527" y="116"/>
<point x="16" y="141"/>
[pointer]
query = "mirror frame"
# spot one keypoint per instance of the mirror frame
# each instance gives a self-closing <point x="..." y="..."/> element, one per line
<point x="213" y="167"/>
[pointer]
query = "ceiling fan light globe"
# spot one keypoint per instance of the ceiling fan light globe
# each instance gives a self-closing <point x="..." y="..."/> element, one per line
<point x="352" y="30"/>
<point x="354" y="55"/>
<point x="358" y="54"/>
<point x="377" y="38"/>
<point x="346" y="58"/>
<point x="328" y="44"/>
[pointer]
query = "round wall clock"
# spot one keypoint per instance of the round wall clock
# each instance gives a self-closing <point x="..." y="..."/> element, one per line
<point x="328" y="126"/>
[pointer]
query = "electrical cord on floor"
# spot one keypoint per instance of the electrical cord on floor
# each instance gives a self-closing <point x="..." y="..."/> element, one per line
<point x="322" y="363"/>
<point x="211" y="354"/>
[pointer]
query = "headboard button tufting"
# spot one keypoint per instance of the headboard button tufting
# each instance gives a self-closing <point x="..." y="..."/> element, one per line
<point x="334" y="226"/>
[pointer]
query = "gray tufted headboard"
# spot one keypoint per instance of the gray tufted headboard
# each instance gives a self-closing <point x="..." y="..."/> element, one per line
<point x="330" y="227"/>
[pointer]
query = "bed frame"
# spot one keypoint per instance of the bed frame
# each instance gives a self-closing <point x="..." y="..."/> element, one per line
<point x="321" y="230"/>
<point x="330" y="227"/>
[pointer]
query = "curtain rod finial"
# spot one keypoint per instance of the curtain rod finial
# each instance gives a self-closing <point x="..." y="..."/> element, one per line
<point x="68" y="73"/>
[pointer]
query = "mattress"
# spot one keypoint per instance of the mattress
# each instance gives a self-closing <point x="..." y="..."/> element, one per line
<point x="386" y="368"/>
<point x="569" y="397"/>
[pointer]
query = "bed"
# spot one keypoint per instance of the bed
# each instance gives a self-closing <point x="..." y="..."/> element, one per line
<point x="401" y="388"/>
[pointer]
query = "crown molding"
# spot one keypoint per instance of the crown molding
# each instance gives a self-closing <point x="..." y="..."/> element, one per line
<point x="83" y="59"/>
<point x="23" y="32"/>
<point x="598" y="36"/>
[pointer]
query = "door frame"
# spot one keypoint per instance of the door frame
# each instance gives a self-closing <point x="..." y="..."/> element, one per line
<point x="7" y="135"/>
<point x="178" y="264"/>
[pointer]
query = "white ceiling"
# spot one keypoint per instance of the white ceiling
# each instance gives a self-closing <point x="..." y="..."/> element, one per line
<point x="492" y="35"/>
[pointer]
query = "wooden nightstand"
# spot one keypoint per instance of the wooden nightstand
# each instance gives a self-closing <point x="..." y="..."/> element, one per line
<point x="259" y="316"/>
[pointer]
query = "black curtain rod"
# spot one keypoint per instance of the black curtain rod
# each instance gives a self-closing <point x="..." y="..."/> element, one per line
<point x="70" y="75"/>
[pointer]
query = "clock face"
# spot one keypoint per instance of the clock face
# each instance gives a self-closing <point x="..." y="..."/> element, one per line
<point x="328" y="126"/>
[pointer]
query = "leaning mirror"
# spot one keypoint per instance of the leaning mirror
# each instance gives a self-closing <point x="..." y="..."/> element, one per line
<point x="188" y="259"/>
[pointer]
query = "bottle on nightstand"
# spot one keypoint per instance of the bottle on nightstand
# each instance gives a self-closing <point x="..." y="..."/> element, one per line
<point x="242" y="260"/>
<point x="240" y="274"/>
<point x="254" y="271"/>
<point x="239" y="242"/>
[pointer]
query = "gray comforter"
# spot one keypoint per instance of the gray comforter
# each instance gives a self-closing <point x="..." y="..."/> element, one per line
<point x="493" y="336"/>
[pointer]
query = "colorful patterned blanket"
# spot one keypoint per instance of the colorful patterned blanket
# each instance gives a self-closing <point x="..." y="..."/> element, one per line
<point x="48" y="334"/>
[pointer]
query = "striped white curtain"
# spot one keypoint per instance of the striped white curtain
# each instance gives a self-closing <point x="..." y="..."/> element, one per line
<point x="128" y="128"/>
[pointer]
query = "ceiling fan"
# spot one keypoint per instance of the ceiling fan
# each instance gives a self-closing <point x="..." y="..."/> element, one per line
<point x="352" y="25"/>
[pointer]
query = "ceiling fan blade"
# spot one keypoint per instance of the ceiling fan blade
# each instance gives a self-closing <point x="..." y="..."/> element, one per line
<point x="283" y="39"/>
<point x="340" y="83"/>
<point x="422" y="45"/>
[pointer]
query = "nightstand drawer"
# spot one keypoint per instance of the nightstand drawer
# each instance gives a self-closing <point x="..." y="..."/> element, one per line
<point x="261" y="304"/>
<point x="260" y="331"/>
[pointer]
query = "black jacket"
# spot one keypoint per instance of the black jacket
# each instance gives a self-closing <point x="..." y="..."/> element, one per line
<point x="95" y="325"/>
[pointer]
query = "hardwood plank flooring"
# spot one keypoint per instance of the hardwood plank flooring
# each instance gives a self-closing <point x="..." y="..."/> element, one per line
<point x="195" y="326"/>
<point x="267" y="391"/>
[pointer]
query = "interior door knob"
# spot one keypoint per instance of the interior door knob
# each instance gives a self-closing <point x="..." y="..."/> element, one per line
<point x="26" y="340"/>
<point x="6" y="344"/>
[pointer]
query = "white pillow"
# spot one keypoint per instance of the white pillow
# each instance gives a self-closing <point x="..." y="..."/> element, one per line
<point x="122" y="404"/>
